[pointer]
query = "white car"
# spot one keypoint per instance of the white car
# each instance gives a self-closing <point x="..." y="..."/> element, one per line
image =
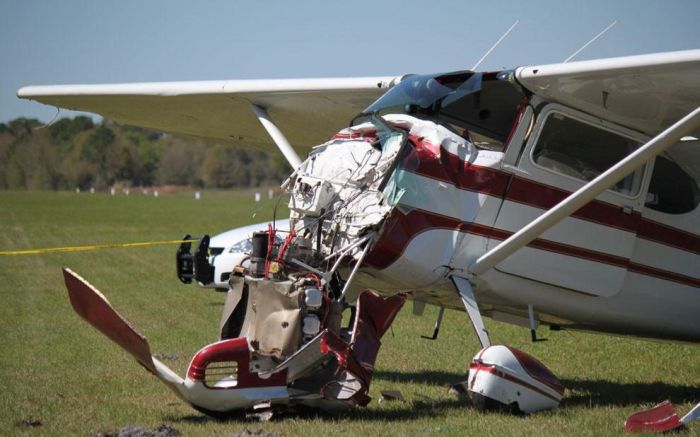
<point x="211" y="264"/>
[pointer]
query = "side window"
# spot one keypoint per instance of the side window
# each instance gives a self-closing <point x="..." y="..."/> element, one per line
<point x="583" y="151"/>
<point x="671" y="189"/>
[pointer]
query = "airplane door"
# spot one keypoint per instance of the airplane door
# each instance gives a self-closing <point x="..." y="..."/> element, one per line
<point x="588" y="252"/>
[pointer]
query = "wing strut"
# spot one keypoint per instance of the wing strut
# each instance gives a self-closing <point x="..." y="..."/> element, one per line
<point x="664" y="140"/>
<point x="464" y="288"/>
<point x="277" y="136"/>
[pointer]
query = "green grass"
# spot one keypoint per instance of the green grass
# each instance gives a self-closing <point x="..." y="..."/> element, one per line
<point x="56" y="369"/>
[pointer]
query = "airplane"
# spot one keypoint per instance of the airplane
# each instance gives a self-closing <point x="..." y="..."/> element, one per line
<point x="561" y="194"/>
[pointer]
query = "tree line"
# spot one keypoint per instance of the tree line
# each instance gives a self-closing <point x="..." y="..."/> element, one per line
<point x="78" y="153"/>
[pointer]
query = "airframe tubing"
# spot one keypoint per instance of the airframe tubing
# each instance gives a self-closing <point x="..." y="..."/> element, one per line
<point x="277" y="136"/>
<point x="588" y="192"/>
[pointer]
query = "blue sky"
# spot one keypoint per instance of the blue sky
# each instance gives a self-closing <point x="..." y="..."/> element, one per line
<point x="70" y="41"/>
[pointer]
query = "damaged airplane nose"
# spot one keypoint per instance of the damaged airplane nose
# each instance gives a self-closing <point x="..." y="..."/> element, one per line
<point x="283" y="342"/>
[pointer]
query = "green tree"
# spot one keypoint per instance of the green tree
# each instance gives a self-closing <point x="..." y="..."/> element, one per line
<point x="177" y="165"/>
<point x="65" y="130"/>
<point x="95" y="148"/>
<point x="22" y="127"/>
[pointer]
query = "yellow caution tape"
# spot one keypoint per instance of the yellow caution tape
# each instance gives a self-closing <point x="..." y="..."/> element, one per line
<point x="95" y="247"/>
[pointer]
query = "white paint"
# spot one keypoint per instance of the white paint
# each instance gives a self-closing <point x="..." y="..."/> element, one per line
<point x="647" y="93"/>
<point x="36" y="92"/>
<point x="467" y="295"/>
<point x="505" y="390"/>
<point x="668" y="258"/>
<point x="277" y="136"/>
<point x="588" y="192"/>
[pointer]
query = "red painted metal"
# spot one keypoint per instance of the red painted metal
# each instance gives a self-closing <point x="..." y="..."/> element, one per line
<point x="537" y="370"/>
<point x="660" y="418"/>
<point x="95" y="309"/>
<point x="374" y="316"/>
<point x="235" y="349"/>
<point x="400" y="229"/>
<point x="423" y="160"/>
<point x="430" y="160"/>
<point x="481" y="367"/>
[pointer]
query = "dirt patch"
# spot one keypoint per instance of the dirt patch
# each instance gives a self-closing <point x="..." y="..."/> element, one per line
<point x="139" y="431"/>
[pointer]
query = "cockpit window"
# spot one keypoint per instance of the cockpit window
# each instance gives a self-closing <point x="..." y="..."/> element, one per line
<point x="671" y="189"/>
<point x="482" y="108"/>
<point x="584" y="151"/>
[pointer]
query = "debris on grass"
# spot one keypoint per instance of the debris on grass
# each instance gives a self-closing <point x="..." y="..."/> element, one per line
<point x="162" y="356"/>
<point x="254" y="433"/>
<point x="30" y="422"/>
<point x="390" y="395"/>
<point x="139" y="431"/>
<point x="458" y="389"/>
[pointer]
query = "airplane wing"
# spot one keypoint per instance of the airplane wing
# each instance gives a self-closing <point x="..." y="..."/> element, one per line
<point x="308" y="111"/>
<point x="647" y="93"/>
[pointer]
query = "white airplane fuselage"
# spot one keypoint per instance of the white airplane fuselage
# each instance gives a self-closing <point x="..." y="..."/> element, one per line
<point x="614" y="266"/>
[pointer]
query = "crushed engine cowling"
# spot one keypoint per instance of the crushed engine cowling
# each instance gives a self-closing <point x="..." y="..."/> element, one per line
<point x="283" y="341"/>
<point x="282" y="325"/>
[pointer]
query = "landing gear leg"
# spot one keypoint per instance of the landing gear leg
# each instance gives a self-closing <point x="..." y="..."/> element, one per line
<point x="464" y="288"/>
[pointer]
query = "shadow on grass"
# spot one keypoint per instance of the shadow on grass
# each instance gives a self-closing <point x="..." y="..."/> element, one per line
<point x="596" y="392"/>
<point x="600" y="392"/>
<point x="431" y="377"/>
<point x="580" y="392"/>
<point x="397" y="412"/>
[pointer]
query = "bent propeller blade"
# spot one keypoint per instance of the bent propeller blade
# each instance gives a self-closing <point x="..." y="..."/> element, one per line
<point x="92" y="306"/>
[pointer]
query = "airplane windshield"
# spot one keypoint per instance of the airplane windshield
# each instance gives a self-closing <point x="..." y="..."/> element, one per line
<point x="477" y="106"/>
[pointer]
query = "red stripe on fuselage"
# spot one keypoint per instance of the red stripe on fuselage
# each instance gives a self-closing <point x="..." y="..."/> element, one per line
<point x="400" y="229"/>
<point x="494" y="371"/>
<point x="431" y="161"/>
<point x="451" y="169"/>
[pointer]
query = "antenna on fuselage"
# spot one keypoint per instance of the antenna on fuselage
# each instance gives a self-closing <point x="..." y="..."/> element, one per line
<point x="495" y="45"/>
<point x="591" y="41"/>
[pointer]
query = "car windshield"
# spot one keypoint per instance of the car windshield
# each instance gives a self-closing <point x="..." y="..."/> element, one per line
<point x="481" y="107"/>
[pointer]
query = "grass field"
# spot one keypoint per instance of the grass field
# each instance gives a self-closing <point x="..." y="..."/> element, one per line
<point x="61" y="377"/>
